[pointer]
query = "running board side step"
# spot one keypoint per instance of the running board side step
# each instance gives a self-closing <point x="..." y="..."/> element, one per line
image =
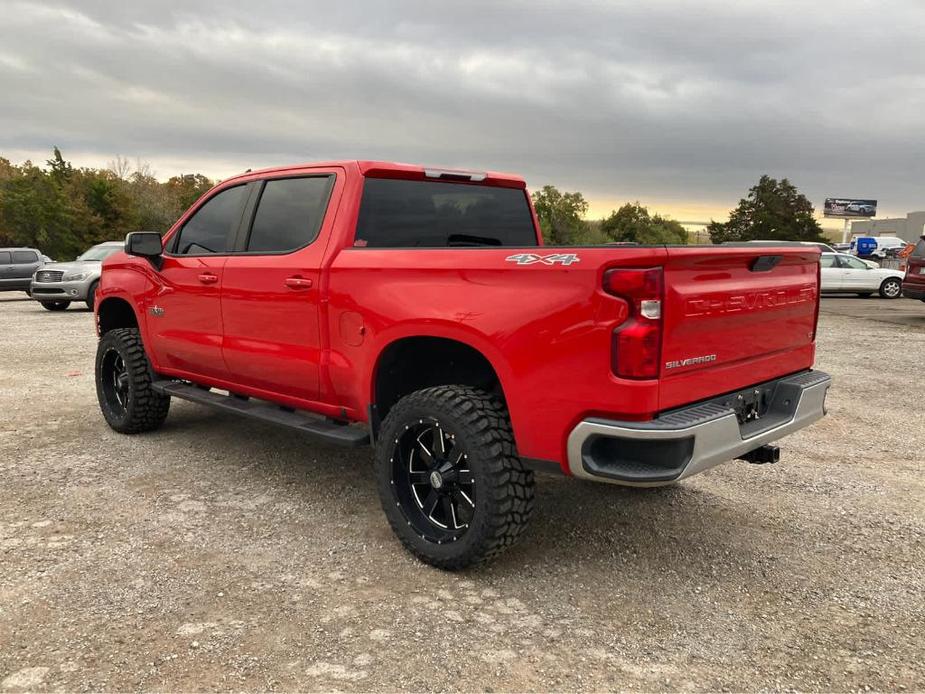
<point x="314" y="425"/>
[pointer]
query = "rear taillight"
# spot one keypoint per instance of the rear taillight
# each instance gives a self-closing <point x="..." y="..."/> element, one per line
<point x="636" y="344"/>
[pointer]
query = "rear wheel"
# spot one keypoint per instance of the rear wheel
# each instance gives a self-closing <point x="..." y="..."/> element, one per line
<point x="123" y="384"/>
<point x="55" y="305"/>
<point x="891" y="288"/>
<point x="91" y="295"/>
<point x="450" y="482"/>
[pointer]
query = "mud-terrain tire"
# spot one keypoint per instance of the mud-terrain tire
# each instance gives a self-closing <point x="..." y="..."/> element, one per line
<point x="55" y="305"/>
<point x="481" y="501"/>
<point x="123" y="384"/>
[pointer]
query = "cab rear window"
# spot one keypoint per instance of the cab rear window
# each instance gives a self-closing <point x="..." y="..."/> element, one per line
<point x="431" y="214"/>
<point x="919" y="251"/>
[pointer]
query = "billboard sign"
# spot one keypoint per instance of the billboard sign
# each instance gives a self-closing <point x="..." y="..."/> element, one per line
<point x="849" y="207"/>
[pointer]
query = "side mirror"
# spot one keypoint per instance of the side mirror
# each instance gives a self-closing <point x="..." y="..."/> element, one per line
<point x="146" y="244"/>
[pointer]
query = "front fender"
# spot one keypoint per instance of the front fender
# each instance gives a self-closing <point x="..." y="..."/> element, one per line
<point x="130" y="284"/>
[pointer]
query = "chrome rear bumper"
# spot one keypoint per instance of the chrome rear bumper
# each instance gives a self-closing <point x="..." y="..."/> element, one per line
<point x="683" y="442"/>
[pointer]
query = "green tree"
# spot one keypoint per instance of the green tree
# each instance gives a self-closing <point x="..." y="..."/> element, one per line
<point x="101" y="204"/>
<point x="156" y="209"/>
<point x="773" y="210"/>
<point x="561" y="216"/>
<point x="633" y="223"/>
<point x="34" y="211"/>
<point x="187" y="189"/>
<point x="63" y="211"/>
<point x="60" y="170"/>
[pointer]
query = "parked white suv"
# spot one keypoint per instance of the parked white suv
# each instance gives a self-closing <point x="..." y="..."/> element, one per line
<point x="844" y="273"/>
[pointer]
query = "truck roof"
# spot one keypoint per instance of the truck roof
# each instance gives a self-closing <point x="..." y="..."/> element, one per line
<point x="391" y="169"/>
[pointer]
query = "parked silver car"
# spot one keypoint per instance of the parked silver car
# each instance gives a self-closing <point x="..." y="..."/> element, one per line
<point x="56" y="285"/>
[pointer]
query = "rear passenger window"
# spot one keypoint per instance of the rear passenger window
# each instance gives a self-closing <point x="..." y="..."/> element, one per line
<point x="24" y="257"/>
<point x="401" y="214"/>
<point x="919" y="251"/>
<point x="208" y="229"/>
<point x="827" y="261"/>
<point x="853" y="263"/>
<point x="289" y="214"/>
<point x="4" y="257"/>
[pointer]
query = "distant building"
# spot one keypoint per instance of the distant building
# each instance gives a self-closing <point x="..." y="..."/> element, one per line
<point x="908" y="228"/>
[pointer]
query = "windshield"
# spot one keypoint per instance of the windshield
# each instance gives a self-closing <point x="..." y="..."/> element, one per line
<point x="99" y="252"/>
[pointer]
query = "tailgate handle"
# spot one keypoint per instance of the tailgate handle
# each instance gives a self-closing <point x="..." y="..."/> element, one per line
<point x="764" y="263"/>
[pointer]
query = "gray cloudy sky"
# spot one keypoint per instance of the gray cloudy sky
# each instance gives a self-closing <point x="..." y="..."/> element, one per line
<point x="680" y="104"/>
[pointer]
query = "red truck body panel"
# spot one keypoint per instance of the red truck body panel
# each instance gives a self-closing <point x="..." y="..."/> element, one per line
<point x="546" y="329"/>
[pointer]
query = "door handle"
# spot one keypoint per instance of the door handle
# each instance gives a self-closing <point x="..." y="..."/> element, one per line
<point x="298" y="283"/>
<point x="208" y="278"/>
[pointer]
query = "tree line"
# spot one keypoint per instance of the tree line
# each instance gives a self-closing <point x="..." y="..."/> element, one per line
<point x="772" y="210"/>
<point x="62" y="210"/>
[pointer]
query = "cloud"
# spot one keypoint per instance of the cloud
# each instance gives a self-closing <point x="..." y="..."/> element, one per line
<point x="659" y="101"/>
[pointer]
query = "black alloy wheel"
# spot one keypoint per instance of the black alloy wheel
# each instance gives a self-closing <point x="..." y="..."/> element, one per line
<point x="450" y="481"/>
<point x="128" y="401"/>
<point x="433" y="481"/>
<point x="114" y="381"/>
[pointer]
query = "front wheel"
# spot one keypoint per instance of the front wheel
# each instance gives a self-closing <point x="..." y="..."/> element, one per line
<point x="91" y="295"/>
<point x="123" y="384"/>
<point x="450" y="482"/>
<point x="891" y="288"/>
<point x="55" y="305"/>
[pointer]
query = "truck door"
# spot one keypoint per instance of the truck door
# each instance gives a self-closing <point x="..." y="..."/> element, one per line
<point x="183" y="315"/>
<point x="271" y="287"/>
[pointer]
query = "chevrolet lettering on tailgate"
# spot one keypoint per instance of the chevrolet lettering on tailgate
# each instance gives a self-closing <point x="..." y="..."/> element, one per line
<point x="751" y="301"/>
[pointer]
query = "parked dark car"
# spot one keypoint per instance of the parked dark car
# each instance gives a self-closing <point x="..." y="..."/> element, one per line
<point x="914" y="281"/>
<point x="17" y="265"/>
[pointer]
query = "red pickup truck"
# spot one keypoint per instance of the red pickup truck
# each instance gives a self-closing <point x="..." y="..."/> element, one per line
<point x="418" y="310"/>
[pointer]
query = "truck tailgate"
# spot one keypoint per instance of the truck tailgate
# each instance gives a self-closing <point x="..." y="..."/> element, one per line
<point x="735" y="316"/>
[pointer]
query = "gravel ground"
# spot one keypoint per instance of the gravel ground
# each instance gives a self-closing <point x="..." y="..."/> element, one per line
<point x="225" y="554"/>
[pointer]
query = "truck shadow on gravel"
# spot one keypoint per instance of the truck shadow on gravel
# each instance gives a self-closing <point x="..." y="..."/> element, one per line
<point x="579" y="522"/>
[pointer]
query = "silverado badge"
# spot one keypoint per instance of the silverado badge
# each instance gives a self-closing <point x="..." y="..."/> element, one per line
<point x="690" y="361"/>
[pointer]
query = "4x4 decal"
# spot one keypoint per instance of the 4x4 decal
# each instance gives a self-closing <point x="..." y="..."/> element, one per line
<point x="552" y="259"/>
